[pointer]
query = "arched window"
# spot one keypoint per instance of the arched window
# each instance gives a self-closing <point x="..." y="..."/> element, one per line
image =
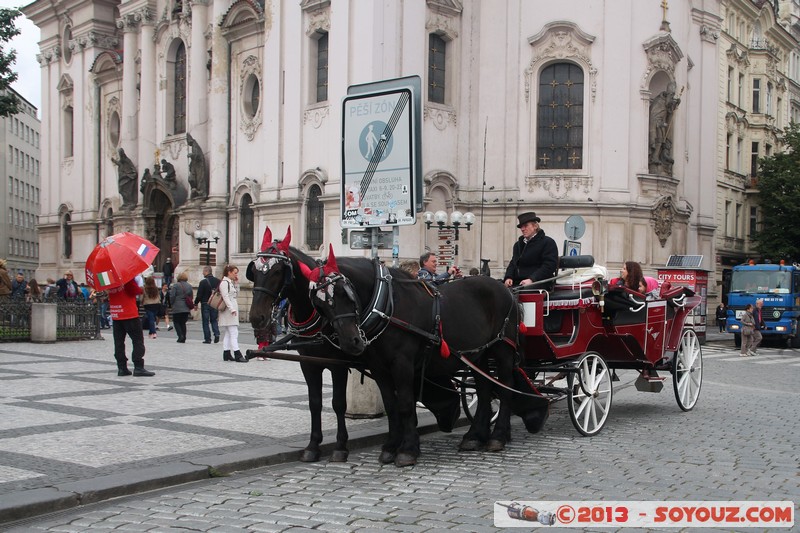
<point x="322" y="66"/>
<point x="66" y="231"/>
<point x="179" y="96"/>
<point x="560" y="117"/>
<point x="315" y="212"/>
<point x="246" y="222"/>
<point x="437" y="62"/>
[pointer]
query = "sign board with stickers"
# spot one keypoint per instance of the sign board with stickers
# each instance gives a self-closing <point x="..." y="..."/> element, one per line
<point x="380" y="154"/>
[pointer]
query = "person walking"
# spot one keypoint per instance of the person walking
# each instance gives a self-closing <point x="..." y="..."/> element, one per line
<point x="748" y="328"/>
<point x="166" y="305"/>
<point x="722" y="317"/>
<point x="151" y="301"/>
<point x="125" y="314"/>
<point x="758" y="319"/>
<point x="535" y="255"/>
<point x="168" y="269"/>
<point x="210" y="315"/>
<point x="5" y="280"/>
<point x="180" y="294"/>
<point x="229" y="317"/>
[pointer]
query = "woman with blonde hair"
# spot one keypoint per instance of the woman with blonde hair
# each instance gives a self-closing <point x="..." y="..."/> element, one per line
<point x="229" y="317"/>
<point x="151" y="301"/>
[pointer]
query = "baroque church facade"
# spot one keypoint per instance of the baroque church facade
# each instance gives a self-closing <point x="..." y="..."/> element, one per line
<point x="173" y="117"/>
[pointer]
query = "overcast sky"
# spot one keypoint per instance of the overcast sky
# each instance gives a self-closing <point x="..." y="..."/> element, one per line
<point x="29" y="82"/>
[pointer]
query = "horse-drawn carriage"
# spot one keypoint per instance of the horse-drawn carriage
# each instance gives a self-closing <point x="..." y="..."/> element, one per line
<point x="416" y="341"/>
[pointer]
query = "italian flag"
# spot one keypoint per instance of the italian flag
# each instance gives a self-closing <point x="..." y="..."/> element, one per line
<point x="104" y="279"/>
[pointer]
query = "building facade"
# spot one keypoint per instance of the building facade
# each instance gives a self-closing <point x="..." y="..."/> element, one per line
<point x="758" y="97"/>
<point x="607" y="110"/>
<point x="21" y="199"/>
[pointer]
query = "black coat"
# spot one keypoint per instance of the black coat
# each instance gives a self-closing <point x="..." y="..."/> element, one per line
<point x="535" y="260"/>
<point x="205" y="288"/>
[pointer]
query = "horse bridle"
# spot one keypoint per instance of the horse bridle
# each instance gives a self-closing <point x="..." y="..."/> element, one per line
<point x="268" y="259"/>
<point x="324" y="292"/>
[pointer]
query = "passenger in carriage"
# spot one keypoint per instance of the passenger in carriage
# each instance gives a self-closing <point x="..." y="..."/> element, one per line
<point x="427" y="270"/>
<point x="534" y="257"/>
<point x="631" y="277"/>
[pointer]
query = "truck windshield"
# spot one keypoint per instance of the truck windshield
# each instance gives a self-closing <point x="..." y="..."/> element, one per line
<point x="761" y="282"/>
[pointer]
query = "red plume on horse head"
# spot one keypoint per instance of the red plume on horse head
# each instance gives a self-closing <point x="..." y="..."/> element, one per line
<point x="282" y="246"/>
<point x="330" y="263"/>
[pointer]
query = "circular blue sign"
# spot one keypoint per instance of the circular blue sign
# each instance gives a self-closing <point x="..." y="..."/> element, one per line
<point x="370" y="141"/>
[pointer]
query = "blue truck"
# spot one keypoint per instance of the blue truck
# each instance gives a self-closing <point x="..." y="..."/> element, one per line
<point x="779" y="286"/>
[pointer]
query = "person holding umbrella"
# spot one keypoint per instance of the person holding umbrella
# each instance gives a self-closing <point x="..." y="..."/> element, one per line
<point x="115" y="266"/>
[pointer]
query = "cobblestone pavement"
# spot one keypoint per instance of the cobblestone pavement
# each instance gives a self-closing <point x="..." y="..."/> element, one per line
<point x="739" y="443"/>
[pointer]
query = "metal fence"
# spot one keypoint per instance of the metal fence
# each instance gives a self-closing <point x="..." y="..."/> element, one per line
<point x="75" y="320"/>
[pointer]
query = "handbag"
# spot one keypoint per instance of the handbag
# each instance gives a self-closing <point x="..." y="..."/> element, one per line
<point x="216" y="300"/>
<point x="189" y="302"/>
<point x="747" y="330"/>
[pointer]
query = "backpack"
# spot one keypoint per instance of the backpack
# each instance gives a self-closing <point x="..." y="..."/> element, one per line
<point x="215" y="300"/>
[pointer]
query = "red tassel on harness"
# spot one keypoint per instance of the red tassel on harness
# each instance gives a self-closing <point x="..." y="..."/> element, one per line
<point x="523" y="328"/>
<point x="262" y="345"/>
<point x="444" y="349"/>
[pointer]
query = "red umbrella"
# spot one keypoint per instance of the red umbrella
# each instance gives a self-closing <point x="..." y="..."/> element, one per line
<point x="118" y="259"/>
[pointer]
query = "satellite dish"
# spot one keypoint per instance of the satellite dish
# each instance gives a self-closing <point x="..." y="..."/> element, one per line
<point x="574" y="227"/>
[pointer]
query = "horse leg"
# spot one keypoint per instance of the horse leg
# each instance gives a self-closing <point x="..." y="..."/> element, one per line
<point x="339" y="404"/>
<point x="313" y="376"/>
<point x="478" y="433"/>
<point x="504" y="358"/>
<point x="409" y="450"/>
<point x="389" y="448"/>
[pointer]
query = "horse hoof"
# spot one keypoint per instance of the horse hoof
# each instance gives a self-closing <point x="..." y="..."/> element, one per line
<point x="386" y="457"/>
<point x="309" y="456"/>
<point x="339" y="456"/>
<point x="470" y="446"/>
<point x="495" y="445"/>
<point x="405" y="459"/>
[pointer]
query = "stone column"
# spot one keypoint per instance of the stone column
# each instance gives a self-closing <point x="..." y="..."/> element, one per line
<point x="198" y="75"/>
<point x="147" y="89"/>
<point x="219" y="96"/>
<point x="128" y="136"/>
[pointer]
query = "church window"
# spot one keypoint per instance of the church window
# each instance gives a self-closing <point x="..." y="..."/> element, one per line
<point x="252" y="95"/>
<point x="65" y="45"/>
<point x="246" y="225"/>
<point x="560" y="117"/>
<point x="69" y="127"/>
<point x="113" y="129"/>
<point x="179" y="96"/>
<point x="66" y="233"/>
<point x="437" y="55"/>
<point x="315" y="212"/>
<point x="322" y="67"/>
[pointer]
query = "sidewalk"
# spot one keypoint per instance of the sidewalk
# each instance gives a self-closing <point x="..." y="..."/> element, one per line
<point x="72" y="432"/>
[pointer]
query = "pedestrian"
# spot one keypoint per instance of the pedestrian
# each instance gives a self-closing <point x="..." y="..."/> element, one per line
<point x="168" y="269"/>
<point x="474" y="272"/>
<point x="51" y="290"/>
<point x="209" y="315"/>
<point x="125" y="314"/>
<point x="534" y="257"/>
<point x="166" y="306"/>
<point x="5" y="280"/>
<point x="180" y="294"/>
<point x="85" y="292"/>
<point x="722" y="317"/>
<point x="427" y="270"/>
<point x="229" y="317"/>
<point x="101" y="299"/>
<point x="758" y="318"/>
<point x="19" y="287"/>
<point x="67" y="288"/>
<point x="151" y="302"/>
<point x="748" y="328"/>
<point x="34" y="291"/>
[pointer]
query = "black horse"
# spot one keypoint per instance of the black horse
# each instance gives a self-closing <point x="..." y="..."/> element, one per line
<point x="476" y="317"/>
<point x="276" y="275"/>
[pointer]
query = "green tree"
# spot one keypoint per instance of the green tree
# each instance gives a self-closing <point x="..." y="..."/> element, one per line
<point x="9" y="103"/>
<point x="779" y="198"/>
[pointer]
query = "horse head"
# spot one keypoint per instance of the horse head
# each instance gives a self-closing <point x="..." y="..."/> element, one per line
<point x="271" y="273"/>
<point x="334" y="297"/>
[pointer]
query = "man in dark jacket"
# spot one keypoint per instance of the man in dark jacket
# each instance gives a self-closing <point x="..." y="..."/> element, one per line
<point x="535" y="256"/>
<point x="168" y="269"/>
<point x="67" y="288"/>
<point x="209" y="314"/>
<point x="19" y="287"/>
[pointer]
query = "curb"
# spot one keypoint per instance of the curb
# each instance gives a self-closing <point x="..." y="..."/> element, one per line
<point x="29" y="504"/>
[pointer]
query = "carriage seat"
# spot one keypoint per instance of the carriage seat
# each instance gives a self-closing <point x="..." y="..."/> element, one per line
<point x="582" y="277"/>
<point x="625" y="306"/>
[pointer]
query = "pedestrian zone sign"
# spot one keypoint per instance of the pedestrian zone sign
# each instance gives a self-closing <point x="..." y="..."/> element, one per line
<point x="379" y="151"/>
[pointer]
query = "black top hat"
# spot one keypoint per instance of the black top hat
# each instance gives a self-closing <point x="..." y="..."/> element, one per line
<point x="524" y="218"/>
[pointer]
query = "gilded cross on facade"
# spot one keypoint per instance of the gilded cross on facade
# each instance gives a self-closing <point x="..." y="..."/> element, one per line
<point x="574" y="158"/>
<point x="664" y="22"/>
<point x="544" y="159"/>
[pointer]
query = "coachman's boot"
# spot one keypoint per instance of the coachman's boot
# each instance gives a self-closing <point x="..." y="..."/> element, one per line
<point x="239" y="357"/>
<point x="226" y="356"/>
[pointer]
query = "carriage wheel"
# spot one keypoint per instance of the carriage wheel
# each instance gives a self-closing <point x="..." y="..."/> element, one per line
<point x="469" y="400"/>
<point x="589" y="390"/>
<point x="687" y="371"/>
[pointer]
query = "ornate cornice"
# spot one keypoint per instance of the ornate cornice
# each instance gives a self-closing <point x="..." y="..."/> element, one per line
<point x="663" y="54"/>
<point x="557" y="41"/>
<point x="447" y="7"/>
<point x="94" y="39"/>
<point x="49" y="55"/>
<point x="741" y="58"/>
<point x="314" y="5"/>
<point x="559" y="187"/>
<point x="440" y="116"/>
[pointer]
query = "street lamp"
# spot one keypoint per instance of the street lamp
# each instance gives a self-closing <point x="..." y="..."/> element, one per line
<point x="457" y="220"/>
<point x="205" y="237"/>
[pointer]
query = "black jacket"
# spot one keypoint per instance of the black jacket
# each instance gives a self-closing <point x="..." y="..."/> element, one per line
<point x="535" y="260"/>
<point x="205" y="288"/>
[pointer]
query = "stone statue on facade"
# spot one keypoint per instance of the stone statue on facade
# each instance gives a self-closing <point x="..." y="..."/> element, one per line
<point x="167" y="172"/>
<point x="126" y="179"/>
<point x="662" y="109"/>
<point x="198" y="174"/>
<point x="146" y="179"/>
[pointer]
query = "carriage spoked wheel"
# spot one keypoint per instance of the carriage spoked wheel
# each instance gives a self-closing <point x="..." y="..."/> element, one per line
<point x="589" y="394"/>
<point x="687" y="370"/>
<point x="469" y="399"/>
